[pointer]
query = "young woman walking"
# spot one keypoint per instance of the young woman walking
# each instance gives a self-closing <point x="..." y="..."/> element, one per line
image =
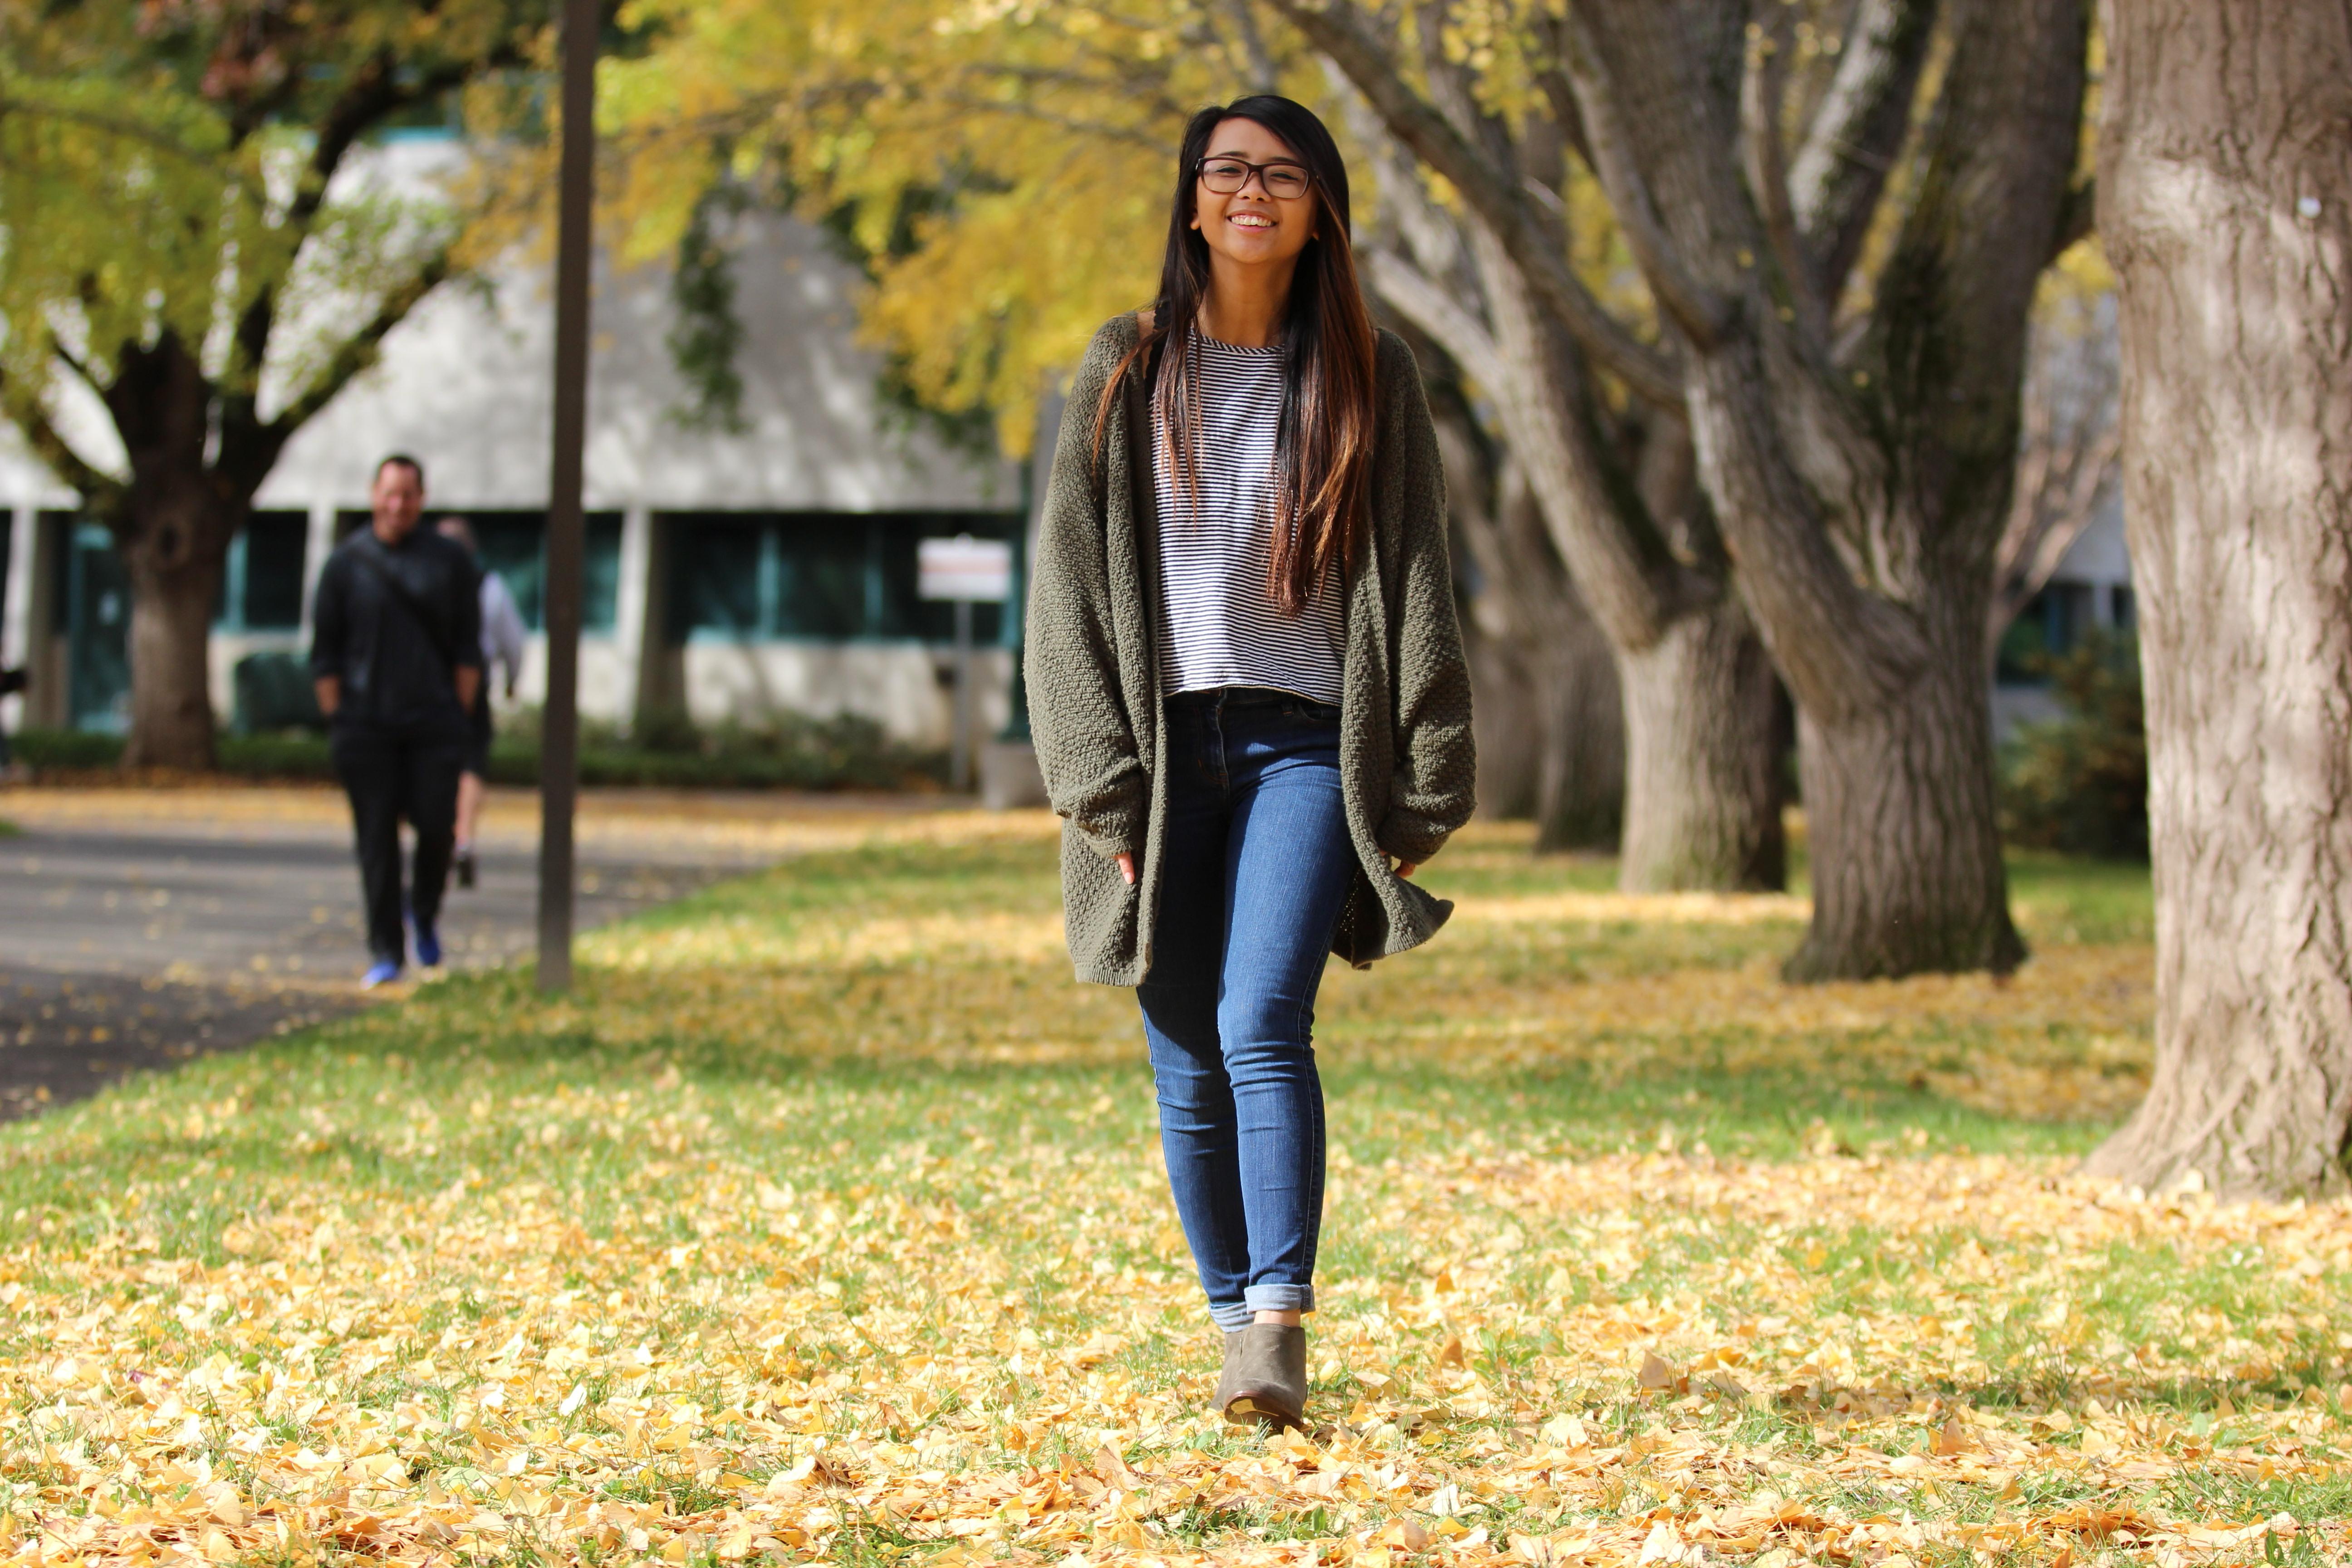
<point x="1250" y="699"/>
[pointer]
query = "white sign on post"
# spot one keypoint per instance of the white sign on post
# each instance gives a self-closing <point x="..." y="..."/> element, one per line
<point x="969" y="572"/>
<point x="976" y="570"/>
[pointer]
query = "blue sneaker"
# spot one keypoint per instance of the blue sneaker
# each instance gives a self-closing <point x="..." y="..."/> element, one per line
<point x="428" y="947"/>
<point x="384" y="972"/>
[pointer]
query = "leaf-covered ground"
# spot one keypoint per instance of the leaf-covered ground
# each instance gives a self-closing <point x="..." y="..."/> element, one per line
<point x="826" y="1220"/>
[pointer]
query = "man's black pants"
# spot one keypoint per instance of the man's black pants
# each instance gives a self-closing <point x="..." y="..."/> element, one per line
<point x="390" y="774"/>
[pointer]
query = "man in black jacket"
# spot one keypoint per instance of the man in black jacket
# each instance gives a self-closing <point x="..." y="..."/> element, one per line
<point x="398" y="658"/>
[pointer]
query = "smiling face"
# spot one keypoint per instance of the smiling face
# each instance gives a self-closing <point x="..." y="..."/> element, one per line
<point x="1252" y="227"/>
<point x="396" y="499"/>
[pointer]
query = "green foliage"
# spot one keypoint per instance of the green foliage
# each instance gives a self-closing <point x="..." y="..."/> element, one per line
<point x="1002" y="171"/>
<point x="164" y="171"/>
<point x="48" y="750"/>
<point x="707" y="333"/>
<point x="782" y="750"/>
<point x="2080" y="785"/>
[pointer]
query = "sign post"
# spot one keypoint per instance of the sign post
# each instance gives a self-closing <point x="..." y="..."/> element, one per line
<point x="966" y="572"/>
<point x="559" y="747"/>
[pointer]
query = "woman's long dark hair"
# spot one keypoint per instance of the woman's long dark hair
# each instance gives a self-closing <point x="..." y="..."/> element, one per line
<point x="1324" y="444"/>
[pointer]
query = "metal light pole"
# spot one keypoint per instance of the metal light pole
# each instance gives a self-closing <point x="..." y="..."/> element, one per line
<point x="559" y="752"/>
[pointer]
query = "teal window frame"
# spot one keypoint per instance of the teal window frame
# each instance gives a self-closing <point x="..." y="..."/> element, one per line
<point x="798" y="589"/>
<point x="233" y="611"/>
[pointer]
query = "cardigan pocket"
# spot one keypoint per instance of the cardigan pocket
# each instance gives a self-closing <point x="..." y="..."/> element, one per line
<point x="1100" y="911"/>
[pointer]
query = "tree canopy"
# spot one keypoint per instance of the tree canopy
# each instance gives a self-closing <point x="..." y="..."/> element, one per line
<point x="1002" y="168"/>
<point x="165" y="173"/>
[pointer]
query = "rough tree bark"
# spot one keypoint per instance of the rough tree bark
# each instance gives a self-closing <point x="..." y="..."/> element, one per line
<point x="1702" y="802"/>
<point x="2226" y="208"/>
<point x="173" y="524"/>
<point x="1617" y="494"/>
<point x="1702" y="806"/>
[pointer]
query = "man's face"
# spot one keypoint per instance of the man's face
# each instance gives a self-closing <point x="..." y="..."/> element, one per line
<point x="396" y="500"/>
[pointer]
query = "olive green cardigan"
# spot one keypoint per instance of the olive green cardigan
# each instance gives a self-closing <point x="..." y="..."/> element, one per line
<point x="1405" y="757"/>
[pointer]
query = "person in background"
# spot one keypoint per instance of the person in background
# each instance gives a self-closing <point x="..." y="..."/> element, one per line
<point x="502" y="643"/>
<point x="397" y="658"/>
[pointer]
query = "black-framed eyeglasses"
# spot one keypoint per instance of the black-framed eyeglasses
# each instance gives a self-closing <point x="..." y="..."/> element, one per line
<point x="1226" y="176"/>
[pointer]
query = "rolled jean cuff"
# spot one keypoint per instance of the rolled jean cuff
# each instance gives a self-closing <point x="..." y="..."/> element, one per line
<point x="1259" y="1298"/>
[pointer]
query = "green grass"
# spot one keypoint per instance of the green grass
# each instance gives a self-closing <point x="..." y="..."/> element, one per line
<point x="490" y="1035"/>
<point x="829" y="1130"/>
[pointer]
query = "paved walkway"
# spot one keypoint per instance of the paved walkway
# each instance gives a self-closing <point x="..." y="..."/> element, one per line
<point x="138" y="927"/>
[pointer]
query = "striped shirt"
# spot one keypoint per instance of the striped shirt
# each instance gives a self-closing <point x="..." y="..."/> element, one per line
<point x="1218" y="623"/>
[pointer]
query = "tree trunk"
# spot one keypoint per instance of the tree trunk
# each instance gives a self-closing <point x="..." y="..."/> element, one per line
<point x="175" y="558"/>
<point x="1580" y="777"/>
<point x="1551" y="740"/>
<point x="1906" y="868"/>
<point x="1503" y="713"/>
<point x="1702" y="777"/>
<point x="197" y="458"/>
<point x="1580" y="782"/>
<point x="2226" y="207"/>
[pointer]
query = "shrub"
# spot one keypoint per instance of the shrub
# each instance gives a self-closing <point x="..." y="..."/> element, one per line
<point x="2080" y="784"/>
<point x="45" y="749"/>
<point x="783" y="751"/>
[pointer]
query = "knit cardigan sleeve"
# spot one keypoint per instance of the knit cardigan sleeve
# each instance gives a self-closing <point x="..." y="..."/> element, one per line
<point x="1087" y="747"/>
<point x="1433" y="789"/>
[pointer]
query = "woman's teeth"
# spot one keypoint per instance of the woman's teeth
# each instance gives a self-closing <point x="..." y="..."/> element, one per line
<point x="1251" y="220"/>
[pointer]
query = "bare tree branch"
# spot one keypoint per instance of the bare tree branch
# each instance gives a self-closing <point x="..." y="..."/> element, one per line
<point x="377" y="92"/>
<point x="1762" y="88"/>
<point x="1264" y="77"/>
<point x="1700" y="312"/>
<point x="1341" y="31"/>
<point x="358" y="352"/>
<point x="1436" y="310"/>
<point x="1839" y="171"/>
<point x="2069" y="462"/>
<point x="1559" y="93"/>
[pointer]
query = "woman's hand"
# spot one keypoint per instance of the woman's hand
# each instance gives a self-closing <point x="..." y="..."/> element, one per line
<point x="1125" y="868"/>
<point x="1407" y="868"/>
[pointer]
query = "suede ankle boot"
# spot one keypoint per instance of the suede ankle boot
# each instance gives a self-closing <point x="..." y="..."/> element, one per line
<point x="1265" y="1376"/>
<point x="1233" y="1364"/>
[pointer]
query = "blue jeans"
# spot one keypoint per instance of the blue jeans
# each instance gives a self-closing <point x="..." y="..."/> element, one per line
<point x="1256" y="868"/>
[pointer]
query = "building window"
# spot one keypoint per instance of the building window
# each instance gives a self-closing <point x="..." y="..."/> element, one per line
<point x="261" y="581"/>
<point x="514" y="546"/>
<point x="823" y="576"/>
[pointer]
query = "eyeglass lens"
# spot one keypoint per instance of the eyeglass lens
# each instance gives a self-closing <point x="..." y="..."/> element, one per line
<point x="1228" y="175"/>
